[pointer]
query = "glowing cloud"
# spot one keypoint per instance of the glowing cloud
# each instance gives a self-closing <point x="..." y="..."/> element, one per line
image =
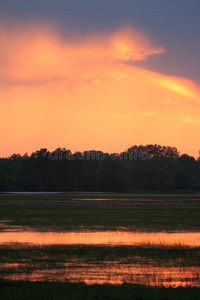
<point x="149" y="114"/>
<point x="85" y="92"/>
<point x="190" y="120"/>
<point x="179" y="85"/>
<point x="186" y="119"/>
<point x="169" y="101"/>
<point x="131" y="45"/>
<point x="38" y="57"/>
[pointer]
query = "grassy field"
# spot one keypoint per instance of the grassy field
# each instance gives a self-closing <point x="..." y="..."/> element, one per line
<point x="64" y="212"/>
<point x="55" y="261"/>
<point x="59" y="212"/>
<point x="176" y="195"/>
<point x="20" y="290"/>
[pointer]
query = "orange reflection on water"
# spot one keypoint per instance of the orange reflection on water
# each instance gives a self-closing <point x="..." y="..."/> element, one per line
<point x="184" y="239"/>
<point x="112" y="273"/>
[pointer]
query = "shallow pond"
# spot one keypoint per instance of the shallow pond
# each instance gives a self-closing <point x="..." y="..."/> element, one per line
<point x="102" y="257"/>
<point x="147" y="242"/>
<point x="175" y="239"/>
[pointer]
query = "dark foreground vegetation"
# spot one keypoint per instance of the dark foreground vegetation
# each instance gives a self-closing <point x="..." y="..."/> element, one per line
<point x="63" y="213"/>
<point x="143" y="168"/>
<point x="21" y="290"/>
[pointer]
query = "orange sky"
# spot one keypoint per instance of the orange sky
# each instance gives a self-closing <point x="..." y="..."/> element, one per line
<point x="85" y="93"/>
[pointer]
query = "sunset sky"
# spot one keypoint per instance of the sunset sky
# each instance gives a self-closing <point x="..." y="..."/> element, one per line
<point x="99" y="75"/>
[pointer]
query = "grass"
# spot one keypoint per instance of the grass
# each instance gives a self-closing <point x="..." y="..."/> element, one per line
<point x="152" y="195"/>
<point x="94" y="254"/>
<point x="58" y="212"/>
<point x="55" y="262"/>
<point x="63" y="212"/>
<point x="20" y="290"/>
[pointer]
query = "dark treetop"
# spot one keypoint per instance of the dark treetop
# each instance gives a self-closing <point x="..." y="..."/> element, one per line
<point x="150" y="167"/>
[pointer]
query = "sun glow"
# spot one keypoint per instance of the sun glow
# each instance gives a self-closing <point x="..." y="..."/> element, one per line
<point x="177" y="87"/>
<point x="86" y="93"/>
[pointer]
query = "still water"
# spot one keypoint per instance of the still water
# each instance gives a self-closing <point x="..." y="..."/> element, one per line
<point x="176" y="239"/>
<point x="147" y="242"/>
<point x="153" y="259"/>
<point x="108" y="273"/>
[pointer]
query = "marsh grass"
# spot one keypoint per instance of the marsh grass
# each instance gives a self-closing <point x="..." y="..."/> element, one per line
<point x="61" y="253"/>
<point x="148" y="215"/>
<point x="43" y="263"/>
<point x="21" y="290"/>
<point x="64" y="212"/>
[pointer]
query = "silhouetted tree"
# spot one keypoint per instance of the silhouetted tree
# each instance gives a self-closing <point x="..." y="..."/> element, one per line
<point x="150" y="167"/>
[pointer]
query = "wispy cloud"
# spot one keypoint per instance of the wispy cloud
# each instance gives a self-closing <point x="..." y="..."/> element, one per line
<point x="53" y="86"/>
<point x="169" y="101"/>
<point x="36" y="56"/>
<point x="186" y="119"/>
<point x="190" y="119"/>
<point x="151" y="114"/>
<point x="131" y="45"/>
<point x="180" y="86"/>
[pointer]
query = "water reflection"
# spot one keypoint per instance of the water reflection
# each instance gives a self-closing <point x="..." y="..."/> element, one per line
<point x="109" y="273"/>
<point x="178" y="239"/>
<point x="83" y="257"/>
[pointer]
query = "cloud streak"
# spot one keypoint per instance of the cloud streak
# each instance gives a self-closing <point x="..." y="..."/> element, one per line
<point x="169" y="101"/>
<point x="186" y="119"/>
<point x="151" y="114"/>
<point x="190" y="119"/>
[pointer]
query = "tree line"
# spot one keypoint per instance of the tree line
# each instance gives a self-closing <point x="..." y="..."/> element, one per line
<point x="139" y="168"/>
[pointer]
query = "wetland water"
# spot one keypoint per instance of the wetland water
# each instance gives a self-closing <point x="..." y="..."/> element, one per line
<point x="36" y="246"/>
<point x="104" y="238"/>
